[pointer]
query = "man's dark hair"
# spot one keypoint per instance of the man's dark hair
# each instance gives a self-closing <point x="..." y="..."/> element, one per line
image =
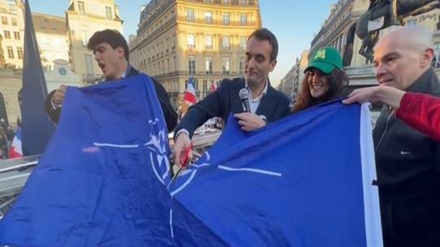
<point x="111" y="37"/>
<point x="265" y="34"/>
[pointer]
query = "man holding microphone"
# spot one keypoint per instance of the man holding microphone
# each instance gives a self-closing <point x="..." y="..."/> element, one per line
<point x="252" y="99"/>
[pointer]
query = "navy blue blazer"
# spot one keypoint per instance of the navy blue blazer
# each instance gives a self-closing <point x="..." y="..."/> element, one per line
<point x="168" y="111"/>
<point x="225" y="100"/>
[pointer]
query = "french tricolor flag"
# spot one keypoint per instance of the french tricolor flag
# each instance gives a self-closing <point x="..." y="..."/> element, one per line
<point x="214" y="86"/>
<point x="15" y="151"/>
<point x="190" y="93"/>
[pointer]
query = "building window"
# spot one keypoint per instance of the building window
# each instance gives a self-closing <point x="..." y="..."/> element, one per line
<point x="17" y="35"/>
<point x="225" y="1"/>
<point x="243" y="19"/>
<point x="436" y="60"/>
<point x="7" y="35"/>
<point x="205" y="86"/>
<point x="226" y="20"/>
<point x="10" y="52"/>
<point x="47" y="56"/>
<point x="14" y="21"/>
<point x="243" y="2"/>
<point x="20" y="52"/>
<point x="13" y="8"/>
<point x="209" y="65"/>
<point x="89" y="65"/>
<point x="190" y="15"/>
<point x="208" y="42"/>
<point x="411" y="22"/>
<point x="208" y="17"/>
<point x="4" y="20"/>
<point x="108" y="13"/>
<point x="191" y="41"/>
<point x="191" y="65"/>
<point x="208" y="1"/>
<point x="241" y="65"/>
<point x="225" y="63"/>
<point x="243" y="41"/>
<point x="225" y="43"/>
<point x="81" y="8"/>
<point x="85" y="38"/>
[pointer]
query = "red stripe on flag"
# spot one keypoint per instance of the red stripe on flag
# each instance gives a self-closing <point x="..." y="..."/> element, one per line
<point x="190" y="97"/>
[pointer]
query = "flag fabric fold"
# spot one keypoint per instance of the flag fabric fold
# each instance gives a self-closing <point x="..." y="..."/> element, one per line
<point x="101" y="180"/>
<point x="303" y="181"/>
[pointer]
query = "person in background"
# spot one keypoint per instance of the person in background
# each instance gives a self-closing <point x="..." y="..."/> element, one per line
<point x="266" y="104"/>
<point x="324" y="80"/>
<point x="112" y="55"/>
<point x="15" y="150"/>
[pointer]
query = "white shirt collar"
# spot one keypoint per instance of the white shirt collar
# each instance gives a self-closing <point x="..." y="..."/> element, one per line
<point x="258" y="98"/>
<point x="125" y="73"/>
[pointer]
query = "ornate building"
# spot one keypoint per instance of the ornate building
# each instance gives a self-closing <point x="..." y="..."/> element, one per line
<point x="83" y="19"/>
<point x="11" y="33"/>
<point x="204" y="39"/>
<point x="291" y="83"/>
<point x="52" y="38"/>
<point x="337" y="32"/>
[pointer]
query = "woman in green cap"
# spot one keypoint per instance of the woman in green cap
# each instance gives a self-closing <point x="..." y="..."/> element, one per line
<point x="324" y="80"/>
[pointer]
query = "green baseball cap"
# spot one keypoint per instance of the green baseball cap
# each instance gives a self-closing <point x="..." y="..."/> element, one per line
<point x="325" y="59"/>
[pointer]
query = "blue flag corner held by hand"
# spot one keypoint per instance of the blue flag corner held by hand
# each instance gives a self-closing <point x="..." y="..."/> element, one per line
<point x="302" y="181"/>
<point x="101" y="179"/>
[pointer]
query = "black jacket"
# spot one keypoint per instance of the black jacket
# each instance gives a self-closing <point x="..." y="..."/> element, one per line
<point x="408" y="175"/>
<point x="169" y="114"/>
<point x="225" y="100"/>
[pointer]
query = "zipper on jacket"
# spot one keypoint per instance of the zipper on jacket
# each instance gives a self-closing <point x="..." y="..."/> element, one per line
<point x="384" y="132"/>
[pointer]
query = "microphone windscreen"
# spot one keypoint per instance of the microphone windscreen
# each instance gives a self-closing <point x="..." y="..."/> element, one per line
<point x="243" y="94"/>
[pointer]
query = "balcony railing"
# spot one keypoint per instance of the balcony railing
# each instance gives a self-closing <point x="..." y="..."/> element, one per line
<point x="364" y="70"/>
<point x="201" y="20"/>
<point x="92" y="78"/>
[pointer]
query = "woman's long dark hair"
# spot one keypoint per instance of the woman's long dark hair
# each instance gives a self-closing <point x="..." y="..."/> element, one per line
<point x="337" y="81"/>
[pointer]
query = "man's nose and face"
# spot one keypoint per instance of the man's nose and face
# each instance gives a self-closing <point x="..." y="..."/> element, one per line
<point x="258" y="64"/>
<point x="109" y="60"/>
<point x="398" y="63"/>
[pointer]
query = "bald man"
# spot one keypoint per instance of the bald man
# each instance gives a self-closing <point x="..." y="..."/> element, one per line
<point x="407" y="161"/>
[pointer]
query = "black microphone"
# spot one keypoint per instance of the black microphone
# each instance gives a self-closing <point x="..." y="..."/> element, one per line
<point x="244" y="96"/>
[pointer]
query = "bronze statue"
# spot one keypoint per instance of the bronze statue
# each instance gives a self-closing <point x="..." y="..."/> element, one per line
<point x="382" y="14"/>
<point x="391" y="5"/>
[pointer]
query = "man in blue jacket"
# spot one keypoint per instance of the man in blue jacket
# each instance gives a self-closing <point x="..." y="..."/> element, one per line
<point x="266" y="104"/>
